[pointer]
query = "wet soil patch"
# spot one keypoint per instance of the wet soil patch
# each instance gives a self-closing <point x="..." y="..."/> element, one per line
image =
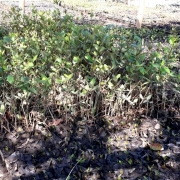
<point x="103" y="148"/>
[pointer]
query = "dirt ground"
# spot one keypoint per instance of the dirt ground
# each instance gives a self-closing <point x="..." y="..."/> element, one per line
<point x="107" y="13"/>
<point x="124" y="15"/>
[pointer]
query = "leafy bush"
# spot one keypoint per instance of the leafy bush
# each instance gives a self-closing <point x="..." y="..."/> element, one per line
<point x="86" y="69"/>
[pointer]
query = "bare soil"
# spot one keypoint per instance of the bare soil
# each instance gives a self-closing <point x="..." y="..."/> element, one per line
<point x="108" y="13"/>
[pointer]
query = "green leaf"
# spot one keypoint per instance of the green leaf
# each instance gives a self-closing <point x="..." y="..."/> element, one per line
<point x="68" y="76"/>
<point x="167" y="70"/>
<point x="157" y="77"/>
<point x="92" y="82"/>
<point x="172" y="40"/>
<point x="110" y="85"/>
<point x="10" y="79"/>
<point x="6" y="148"/>
<point x="115" y="78"/>
<point x="76" y="60"/>
<point x="130" y="161"/>
<point x="178" y="76"/>
<point x="28" y="65"/>
<point x="89" y="58"/>
<point x="58" y="81"/>
<point x="84" y="92"/>
<point x="44" y="78"/>
<point x="142" y="70"/>
<point x="33" y="90"/>
<point x="59" y="60"/>
<point x="67" y="39"/>
<point x="7" y="39"/>
<point x="54" y="69"/>
<point x="24" y="79"/>
<point x="35" y="57"/>
<point x="155" y="65"/>
<point x="102" y="83"/>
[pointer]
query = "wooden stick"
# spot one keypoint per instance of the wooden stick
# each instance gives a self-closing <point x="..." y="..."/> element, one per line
<point x="140" y="14"/>
<point x="22" y="5"/>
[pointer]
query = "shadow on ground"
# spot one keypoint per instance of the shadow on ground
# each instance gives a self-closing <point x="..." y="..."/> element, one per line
<point x="90" y="149"/>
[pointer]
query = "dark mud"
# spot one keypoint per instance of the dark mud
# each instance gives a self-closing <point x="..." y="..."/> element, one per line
<point x="104" y="148"/>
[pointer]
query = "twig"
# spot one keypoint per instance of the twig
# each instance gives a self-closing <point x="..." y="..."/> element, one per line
<point x="4" y="161"/>
<point x="6" y="129"/>
<point x="73" y="168"/>
<point x="2" y="156"/>
<point x="51" y="114"/>
<point x="24" y="144"/>
<point x="33" y="129"/>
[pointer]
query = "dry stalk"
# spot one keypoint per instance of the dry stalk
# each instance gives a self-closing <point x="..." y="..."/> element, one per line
<point x="7" y="129"/>
<point x="51" y="114"/>
<point x="68" y="177"/>
<point x="4" y="161"/>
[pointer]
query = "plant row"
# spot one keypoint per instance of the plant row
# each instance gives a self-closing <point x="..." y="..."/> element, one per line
<point x="86" y="69"/>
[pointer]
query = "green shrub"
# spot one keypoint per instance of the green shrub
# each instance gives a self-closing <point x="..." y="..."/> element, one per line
<point x="86" y="68"/>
